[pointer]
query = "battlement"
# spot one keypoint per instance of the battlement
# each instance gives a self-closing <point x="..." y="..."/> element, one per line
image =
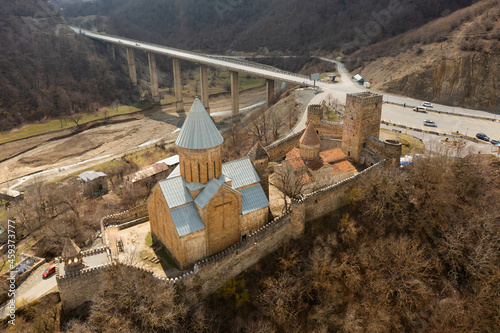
<point x="364" y="98"/>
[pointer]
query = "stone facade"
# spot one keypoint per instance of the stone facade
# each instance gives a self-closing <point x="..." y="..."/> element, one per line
<point x="362" y="117"/>
<point x="200" y="165"/>
<point x="206" y="206"/>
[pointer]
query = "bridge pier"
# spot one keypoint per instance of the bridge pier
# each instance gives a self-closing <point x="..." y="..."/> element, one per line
<point x="204" y="86"/>
<point x="131" y="66"/>
<point x="153" y="74"/>
<point x="235" y="93"/>
<point x="111" y="50"/>
<point x="270" y="92"/>
<point x="179" y="104"/>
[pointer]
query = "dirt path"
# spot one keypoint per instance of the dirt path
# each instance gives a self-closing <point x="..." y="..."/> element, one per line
<point x="54" y="159"/>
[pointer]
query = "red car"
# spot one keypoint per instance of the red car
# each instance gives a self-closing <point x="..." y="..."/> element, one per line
<point x="49" y="271"/>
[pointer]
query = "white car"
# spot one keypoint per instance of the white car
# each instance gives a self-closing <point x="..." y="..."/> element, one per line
<point x="427" y="104"/>
<point x="430" y="123"/>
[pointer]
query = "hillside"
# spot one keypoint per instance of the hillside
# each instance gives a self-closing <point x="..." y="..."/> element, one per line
<point x="47" y="70"/>
<point x="454" y="60"/>
<point x="293" y="25"/>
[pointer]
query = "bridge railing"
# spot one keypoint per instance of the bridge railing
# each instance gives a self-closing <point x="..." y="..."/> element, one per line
<point x="220" y="58"/>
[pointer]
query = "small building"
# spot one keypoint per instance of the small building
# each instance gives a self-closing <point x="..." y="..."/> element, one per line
<point x="11" y="195"/>
<point x="95" y="183"/>
<point x="147" y="176"/>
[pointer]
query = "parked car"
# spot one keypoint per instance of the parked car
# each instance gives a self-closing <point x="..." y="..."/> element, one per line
<point x="49" y="271"/>
<point x="495" y="142"/>
<point x="427" y="104"/>
<point x="430" y="123"/>
<point x="482" y="136"/>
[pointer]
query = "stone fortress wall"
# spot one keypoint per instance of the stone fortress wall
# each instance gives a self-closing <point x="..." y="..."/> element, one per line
<point x="210" y="273"/>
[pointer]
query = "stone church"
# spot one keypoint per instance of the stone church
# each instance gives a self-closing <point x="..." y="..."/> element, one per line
<point x="312" y="168"/>
<point x="205" y="206"/>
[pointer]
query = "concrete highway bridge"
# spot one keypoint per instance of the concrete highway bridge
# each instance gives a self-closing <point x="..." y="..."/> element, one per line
<point x="234" y="66"/>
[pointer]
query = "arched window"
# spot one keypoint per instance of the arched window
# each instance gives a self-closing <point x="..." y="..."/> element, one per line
<point x="199" y="174"/>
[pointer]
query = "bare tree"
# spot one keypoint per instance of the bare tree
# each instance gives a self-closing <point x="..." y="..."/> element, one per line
<point x="76" y="118"/>
<point x="289" y="181"/>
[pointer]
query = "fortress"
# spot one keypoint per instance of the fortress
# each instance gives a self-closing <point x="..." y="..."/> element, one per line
<point x="213" y="217"/>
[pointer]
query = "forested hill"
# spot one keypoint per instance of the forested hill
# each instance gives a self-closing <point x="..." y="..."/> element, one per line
<point x="47" y="70"/>
<point x="296" y="25"/>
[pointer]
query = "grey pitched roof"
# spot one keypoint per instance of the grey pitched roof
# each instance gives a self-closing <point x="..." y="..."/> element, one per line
<point x="241" y="172"/>
<point x="253" y="198"/>
<point x="70" y="249"/>
<point x="212" y="187"/>
<point x="172" y="160"/>
<point x="195" y="186"/>
<point x="199" y="130"/>
<point x="186" y="219"/>
<point x="175" y="173"/>
<point x="175" y="192"/>
<point x="257" y="152"/>
<point x="91" y="175"/>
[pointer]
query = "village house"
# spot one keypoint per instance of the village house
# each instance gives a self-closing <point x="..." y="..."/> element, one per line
<point x="94" y="183"/>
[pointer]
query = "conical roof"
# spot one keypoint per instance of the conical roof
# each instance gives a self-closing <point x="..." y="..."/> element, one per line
<point x="70" y="249"/>
<point x="199" y="130"/>
<point x="257" y="152"/>
<point x="310" y="137"/>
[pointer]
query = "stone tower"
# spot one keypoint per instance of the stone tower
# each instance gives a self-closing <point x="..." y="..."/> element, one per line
<point x="315" y="114"/>
<point x="363" y="112"/>
<point x="72" y="255"/>
<point x="260" y="161"/>
<point x="199" y="144"/>
<point x="310" y="143"/>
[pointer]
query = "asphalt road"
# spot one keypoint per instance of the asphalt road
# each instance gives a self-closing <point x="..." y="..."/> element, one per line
<point x="406" y="116"/>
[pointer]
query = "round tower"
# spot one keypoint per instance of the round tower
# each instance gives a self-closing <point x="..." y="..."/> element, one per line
<point x="200" y="146"/>
<point x="310" y="143"/>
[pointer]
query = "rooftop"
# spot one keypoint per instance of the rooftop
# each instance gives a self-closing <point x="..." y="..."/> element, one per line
<point x="257" y="152"/>
<point x="88" y="176"/>
<point x="146" y="172"/>
<point x="70" y="249"/>
<point x="199" y="130"/>
<point x="310" y="137"/>
<point x="241" y="172"/>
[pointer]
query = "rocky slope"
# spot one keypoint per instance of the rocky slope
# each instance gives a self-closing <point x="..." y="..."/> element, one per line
<point x="454" y="60"/>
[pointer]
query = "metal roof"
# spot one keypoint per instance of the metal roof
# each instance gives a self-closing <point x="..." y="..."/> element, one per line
<point x="175" y="192"/>
<point x="199" y="130"/>
<point x="146" y="172"/>
<point x="253" y="198"/>
<point x="186" y="219"/>
<point x="91" y="175"/>
<point x="241" y="172"/>
<point x="195" y="186"/>
<point x="175" y="173"/>
<point x="212" y="187"/>
<point x="172" y="160"/>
